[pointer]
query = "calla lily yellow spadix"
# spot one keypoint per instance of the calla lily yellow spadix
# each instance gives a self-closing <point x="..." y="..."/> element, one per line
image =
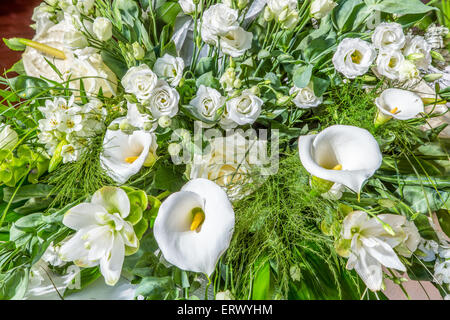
<point x="194" y="226"/>
<point x="43" y="48"/>
<point x="125" y="154"/>
<point x="397" y="103"/>
<point x="340" y="154"/>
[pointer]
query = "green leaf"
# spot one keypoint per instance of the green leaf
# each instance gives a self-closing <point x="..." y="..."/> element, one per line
<point x="208" y="80"/>
<point x="443" y="217"/>
<point x="14" y="44"/>
<point x="128" y="9"/>
<point x="424" y="200"/>
<point x="302" y="76"/>
<point x="167" y="178"/>
<point x="27" y="192"/>
<point x="204" y="65"/>
<point x="345" y="11"/>
<point x="155" y="288"/>
<point x="320" y="86"/>
<point x="403" y="7"/>
<point x="168" y="12"/>
<point x="261" y="283"/>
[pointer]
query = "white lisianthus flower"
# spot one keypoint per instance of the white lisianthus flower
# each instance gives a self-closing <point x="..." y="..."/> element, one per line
<point x="284" y="11"/>
<point x="321" y="8"/>
<point x="217" y="21"/>
<point x="102" y="28"/>
<point x="244" y="109"/>
<point x="207" y="102"/>
<point x="194" y="226"/>
<point x="354" y="57"/>
<point x="418" y="44"/>
<point x="228" y="162"/>
<point x="341" y="154"/>
<point x="372" y="245"/>
<point x="164" y="100"/>
<point x="388" y="64"/>
<point x="278" y="6"/>
<point x="103" y="235"/>
<point x="236" y="42"/>
<point x="8" y="137"/>
<point x="442" y="272"/>
<point x="305" y="97"/>
<point x="82" y="6"/>
<point x="187" y="6"/>
<point x="407" y="71"/>
<point x="140" y="81"/>
<point x="388" y="36"/>
<point x="399" y="104"/>
<point x="124" y="154"/>
<point x="170" y="68"/>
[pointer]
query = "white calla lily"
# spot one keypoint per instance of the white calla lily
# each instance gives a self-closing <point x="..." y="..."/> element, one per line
<point x="342" y="154"/>
<point x="194" y="226"/>
<point x="103" y="236"/>
<point x="125" y="154"/>
<point x="399" y="104"/>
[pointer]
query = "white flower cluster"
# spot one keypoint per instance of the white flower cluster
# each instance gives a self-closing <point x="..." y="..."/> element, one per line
<point x="220" y="27"/>
<point x="399" y="56"/>
<point x="68" y="125"/>
<point x="440" y="253"/>
<point x="282" y="11"/>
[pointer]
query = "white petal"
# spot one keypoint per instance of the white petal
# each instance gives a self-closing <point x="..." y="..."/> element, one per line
<point x="100" y="240"/>
<point x="118" y="146"/>
<point x="408" y="103"/>
<point x="352" y="147"/>
<point x="353" y="219"/>
<point x="369" y="270"/>
<point x="192" y="250"/>
<point x="111" y="265"/>
<point x="98" y="290"/>
<point x="82" y="216"/>
<point x="74" y="248"/>
<point x="383" y="253"/>
<point x="113" y="199"/>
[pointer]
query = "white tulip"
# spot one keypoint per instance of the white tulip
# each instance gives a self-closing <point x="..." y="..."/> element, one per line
<point x="194" y="226"/>
<point x="389" y="63"/>
<point x="102" y="28"/>
<point x="103" y="236"/>
<point x="236" y="42"/>
<point x="8" y="137"/>
<point x="341" y="154"/>
<point x="372" y="246"/>
<point x="244" y="109"/>
<point x="305" y="97"/>
<point x="140" y="81"/>
<point x="217" y="21"/>
<point x="187" y="6"/>
<point x="418" y="44"/>
<point x="354" y="57"/>
<point x="171" y="68"/>
<point x="125" y="154"/>
<point x="388" y="37"/>
<point x="163" y="100"/>
<point x="321" y="8"/>
<point x="207" y="102"/>
<point x="399" y="104"/>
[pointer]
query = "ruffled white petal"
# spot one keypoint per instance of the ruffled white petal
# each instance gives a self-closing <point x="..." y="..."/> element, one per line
<point x="114" y="200"/>
<point x="82" y="215"/>
<point x="111" y="263"/>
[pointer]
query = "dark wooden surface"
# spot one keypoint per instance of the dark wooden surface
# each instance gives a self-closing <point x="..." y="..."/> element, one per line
<point x="15" y="20"/>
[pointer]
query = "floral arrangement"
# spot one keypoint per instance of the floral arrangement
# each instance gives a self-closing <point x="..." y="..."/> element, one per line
<point x="235" y="149"/>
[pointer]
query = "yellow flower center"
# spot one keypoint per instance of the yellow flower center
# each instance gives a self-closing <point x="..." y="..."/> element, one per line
<point x="337" y="167"/>
<point x="130" y="160"/>
<point x="198" y="216"/>
<point x="394" y="111"/>
<point x="357" y="57"/>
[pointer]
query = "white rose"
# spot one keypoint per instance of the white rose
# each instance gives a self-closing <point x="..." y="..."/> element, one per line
<point x="228" y="163"/>
<point x="170" y="68"/>
<point x="164" y="100"/>
<point x="8" y="138"/>
<point x="418" y="44"/>
<point x="217" y="21"/>
<point x="320" y="8"/>
<point x="207" y="102"/>
<point x="354" y="57"/>
<point x="388" y="64"/>
<point x="187" y="6"/>
<point x="407" y="71"/>
<point x="102" y="28"/>
<point x="388" y="37"/>
<point x="305" y="97"/>
<point x="236" y="42"/>
<point x="140" y="81"/>
<point x="244" y="109"/>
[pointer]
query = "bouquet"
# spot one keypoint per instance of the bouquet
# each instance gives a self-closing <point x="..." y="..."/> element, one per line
<point x="226" y="149"/>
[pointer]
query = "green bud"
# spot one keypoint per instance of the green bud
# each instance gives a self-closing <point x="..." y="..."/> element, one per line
<point x="381" y="119"/>
<point x="237" y="83"/>
<point x="56" y="158"/>
<point x="437" y="56"/>
<point x="164" y="122"/>
<point x="148" y="126"/>
<point x="321" y="185"/>
<point x="268" y="14"/>
<point x="114" y="127"/>
<point x="174" y="149"/>
<point x="432" y="77"/>
<point x="125" y="126"/>
<point x="241" y="4"/>
<point x="415" y="56"/>
<point x="138" y="51"/>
